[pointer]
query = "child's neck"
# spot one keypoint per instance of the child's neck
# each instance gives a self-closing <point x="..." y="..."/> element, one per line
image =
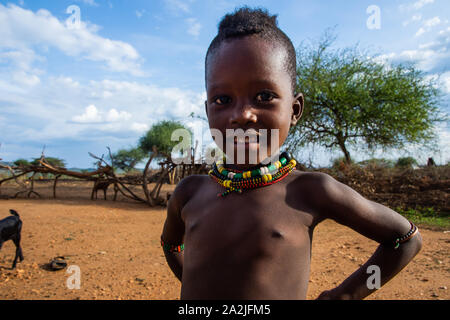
<point x="249" y="166"/>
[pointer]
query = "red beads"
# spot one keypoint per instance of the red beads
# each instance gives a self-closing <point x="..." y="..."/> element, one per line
<point x="239" y="184"/>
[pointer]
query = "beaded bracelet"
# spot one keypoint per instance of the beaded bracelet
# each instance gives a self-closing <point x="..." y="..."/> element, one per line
<point x="171" y="247"/>
<point x="411" y="233"/>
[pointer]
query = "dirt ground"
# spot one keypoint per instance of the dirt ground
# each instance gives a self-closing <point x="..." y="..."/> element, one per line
<point x="116" y="246"/>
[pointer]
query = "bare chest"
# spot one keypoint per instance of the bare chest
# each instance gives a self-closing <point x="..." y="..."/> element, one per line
<point x="260" y="220"/>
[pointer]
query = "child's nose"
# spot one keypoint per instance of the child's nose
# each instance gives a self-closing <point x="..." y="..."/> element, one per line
<point x="243" y="114"/>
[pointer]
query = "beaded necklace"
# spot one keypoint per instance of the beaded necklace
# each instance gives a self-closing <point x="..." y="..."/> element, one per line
<point x="237" y="181"/>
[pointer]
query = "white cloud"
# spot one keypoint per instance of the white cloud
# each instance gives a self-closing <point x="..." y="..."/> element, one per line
<point x="67" y="82"/>
<point x="25" y="31"/>
<point x="432" y="22"/>
<point x="420" y="32"/>
<point x="178" y="5"/>
<point x="113" y="115"/>
<point x="428" y="25"/>
<point x="445" y="78"/>
<point x="93" y="115"/>
<point x="414" y="18"/>
<point x="20" y="59"/>
<point x="139" y="127"/>
<point x="89" y="2"/>
<point x="419" y="4"/>
<point x="415" y="6"/>
<point x="90" y="115"/>
<point x="19" y="65"/>
<point x="432" y="56"/>
<point x="96" y="111"/>
<point x="383" y="58"/>
<point x="140" y="13"/>
<point x="25" y="78"/>
<point x="193" y="27"/>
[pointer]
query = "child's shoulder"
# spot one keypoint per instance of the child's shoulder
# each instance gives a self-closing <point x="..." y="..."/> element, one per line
<point x="327" y="196"/>
<point x="188" y="186"/>
<point x="317" y="186"/>
<point x="192" y="181"/>
<point x="313" y="179"/>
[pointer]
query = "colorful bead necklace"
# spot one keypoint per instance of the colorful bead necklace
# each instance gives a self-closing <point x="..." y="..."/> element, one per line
<point x="237" y="181"/>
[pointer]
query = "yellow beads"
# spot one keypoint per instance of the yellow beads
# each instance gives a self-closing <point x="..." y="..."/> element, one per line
<point x="234" y="180"/>
<point x="227" y="183"/>
<point x="246" y="174"/>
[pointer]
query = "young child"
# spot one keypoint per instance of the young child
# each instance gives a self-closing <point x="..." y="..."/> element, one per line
<point x="247" y="229"/>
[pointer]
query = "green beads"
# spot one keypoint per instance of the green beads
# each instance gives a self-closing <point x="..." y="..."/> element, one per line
<point x="234" y="181"/>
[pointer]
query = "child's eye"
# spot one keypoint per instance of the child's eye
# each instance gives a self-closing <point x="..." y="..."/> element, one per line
<point x="222" y="100"/>
<point x="265" y="96"/>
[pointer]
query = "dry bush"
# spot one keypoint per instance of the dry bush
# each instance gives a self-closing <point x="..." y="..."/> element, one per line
<point x="397" y="187"/>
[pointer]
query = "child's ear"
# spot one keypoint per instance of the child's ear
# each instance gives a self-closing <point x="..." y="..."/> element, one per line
<point x="297" y="108"/>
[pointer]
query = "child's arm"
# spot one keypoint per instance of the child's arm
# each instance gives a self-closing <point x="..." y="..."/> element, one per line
<point x="375" y="221"/>
<point x="172" y="238"/>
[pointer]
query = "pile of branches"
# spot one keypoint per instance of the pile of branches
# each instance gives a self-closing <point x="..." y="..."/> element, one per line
<point x="105" y="175"/>
<point x="19" y="171"/>
<point x="102" y="177"/>
<point x="399" y="187"/>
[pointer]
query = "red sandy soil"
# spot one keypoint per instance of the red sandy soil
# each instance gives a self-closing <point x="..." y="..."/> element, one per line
<point x="116" y="246"/>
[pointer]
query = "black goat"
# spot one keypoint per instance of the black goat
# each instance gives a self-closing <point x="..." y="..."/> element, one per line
<point x="103" y="185"/>
<point x="10" y="229"/>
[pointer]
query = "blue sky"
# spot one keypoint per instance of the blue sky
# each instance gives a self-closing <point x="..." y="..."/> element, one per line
<point x="80" y="87"/>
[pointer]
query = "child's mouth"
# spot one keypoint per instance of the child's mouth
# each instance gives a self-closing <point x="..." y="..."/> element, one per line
<point x="250" y="138"/>
<point x="246" y="140"/>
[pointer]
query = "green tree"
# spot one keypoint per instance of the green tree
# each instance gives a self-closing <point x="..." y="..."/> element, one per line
<point x="351" y="99"/>
<point x="21" y="162"/>
<point x="127" y="159"/>
<point x="160" y="136"/>
<point x="56" y="162"/>
<point x="406" y="162"/>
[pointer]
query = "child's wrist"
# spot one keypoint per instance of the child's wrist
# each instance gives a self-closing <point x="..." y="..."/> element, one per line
<point x="339" y="294"/>
<point x="334" y="294"/>
<point x="168" y="247"/>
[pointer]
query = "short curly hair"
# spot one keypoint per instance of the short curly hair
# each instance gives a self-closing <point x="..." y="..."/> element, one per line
<point x="245" y="22"/>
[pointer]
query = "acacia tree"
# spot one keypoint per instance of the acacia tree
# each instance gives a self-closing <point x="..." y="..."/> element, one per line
<point x="351" y="99"/>
<point x="158" y="143"/>
<point x="160" y="136"/>
<point x="21" y="162"/>
<point x="56" y="162"/>
<point x="127" y="159"/>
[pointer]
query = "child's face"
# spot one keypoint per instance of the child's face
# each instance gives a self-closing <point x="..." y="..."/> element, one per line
<point x="248" y="87"/>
